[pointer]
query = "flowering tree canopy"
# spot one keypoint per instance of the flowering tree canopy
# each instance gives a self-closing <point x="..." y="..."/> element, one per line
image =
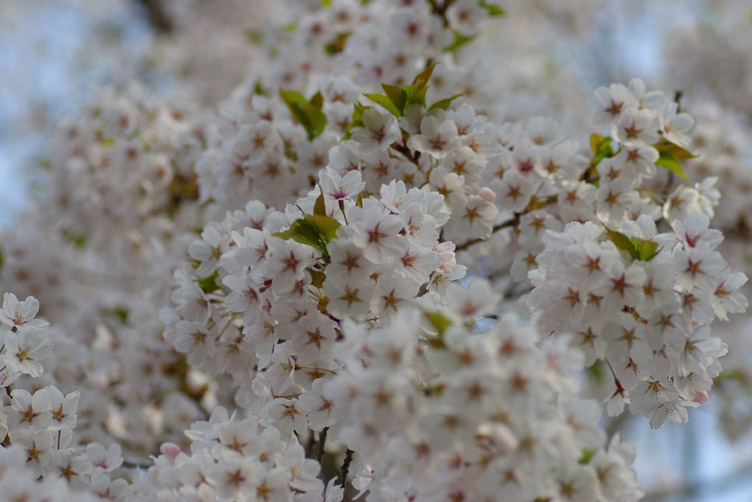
<point x="376" y="268"/>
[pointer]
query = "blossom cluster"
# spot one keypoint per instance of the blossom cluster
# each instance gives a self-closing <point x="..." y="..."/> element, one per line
<point x="37" y="428"/>
<point x="435" y="411"/>
<point x="281" y="279"/>
<point x="234" y="459"/>
<point x="639" y="300"/>
<point x="122" y="166"/>
<point x="101" y="278"/>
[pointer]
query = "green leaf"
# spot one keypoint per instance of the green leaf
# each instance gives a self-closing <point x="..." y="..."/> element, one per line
<point x="317" y="101"/>
<point x="668" y="160"/>
<point x="420" y="82"/>
<point x="644" y="248"/>
<point x="79" y="240"/>
<point x="438" y="321"/>
<point x="258" y="88"/>
<point x="595" y="142"/>
<point x="419" y="96"/>
<point x="307" y="113"/>
<point x="312" y="230"/>
<point x="357" y="119"/>
<point x="587" y="455"/>
<point x="397" y="95"/>
<point x="209" y="284"/>
<point x="326" y="226"/>
<point x="670" y="156"/>
<point x="493" y="10"/>
<point x="459" y="41"/>
<point x="338" y="44"/>
<point x="385" y="102"/>
<point x="253" y="36"/>
<point x="680" y="153"/>
<point x="444" y="103"/>
<point x="638" y="249"/>
<point x="119" y="312"/>
<point x="320" y="206"/>
<point x="622" y="242"/>
<point x="301" y="231"/>
<point x="357" y="116"/>
<point x="601" y="148"/>
<point x="595" y="372"/>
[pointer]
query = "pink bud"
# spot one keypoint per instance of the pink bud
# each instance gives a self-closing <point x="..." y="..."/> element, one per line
<point x="170" y="450"/>
<point x="701" y="396"/>
<point x="447" y="257"/>
<point x="487" y="194"/>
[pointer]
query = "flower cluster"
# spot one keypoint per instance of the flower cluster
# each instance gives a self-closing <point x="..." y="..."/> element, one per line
<point x="639" y="300"/>
<point x="264" y="307"/>
<point x="120" y="168"/>
<point x="234" y="459"/>
<point x="102" y="278"/>
<point x="37" y="428"/>
<point x="281" y="279"/>
<point x="434" y="411"/>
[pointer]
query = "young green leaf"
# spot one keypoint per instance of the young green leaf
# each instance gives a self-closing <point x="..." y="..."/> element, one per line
<point x="638" y="249"/>
<point x="385" y="102"/>
<point x="319" y="207"/>
<point x="459" y="41"/>
<point x="443" y="104"/>
<point x="493" y="10"/>
<point x="312" y="230"/>
<point x="622" y="242"/>
<point x="307" y="113"/>
<point x="587" y="455"/>
<point x="337" y="44"/>
<point x="680" y="153"/>
<point x="595" y="142"/>
<point x="644" y="248"/>
<point x="357" y="119"/>
<point x="601" y="148"/>
<point x="397" y="95"/>
<point x="668" y="160"/>
<point x="438" y="321"/>
<point x="420" y="82"/>
<point x="209" y="284"/>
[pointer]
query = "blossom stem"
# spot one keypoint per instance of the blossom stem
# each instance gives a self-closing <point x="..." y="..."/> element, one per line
<point x="224" y="329"/>
<point x="315" y="368"/>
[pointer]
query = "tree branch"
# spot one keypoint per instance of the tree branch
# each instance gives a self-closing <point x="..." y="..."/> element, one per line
<point x="159" y="19"/>
<point x="467" y="244"/>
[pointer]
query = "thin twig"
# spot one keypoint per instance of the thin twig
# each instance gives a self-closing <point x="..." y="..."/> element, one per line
<point x="345" y="470"/>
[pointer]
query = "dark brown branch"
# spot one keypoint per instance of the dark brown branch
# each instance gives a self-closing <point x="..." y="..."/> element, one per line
<point x="467" y="244"/>
<point x="322" y="443"/>
<point x="346" y="467"/>
<point x="159" y="19"/>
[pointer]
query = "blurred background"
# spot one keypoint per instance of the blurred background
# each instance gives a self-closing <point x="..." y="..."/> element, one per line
<point x="53" y="52"/>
